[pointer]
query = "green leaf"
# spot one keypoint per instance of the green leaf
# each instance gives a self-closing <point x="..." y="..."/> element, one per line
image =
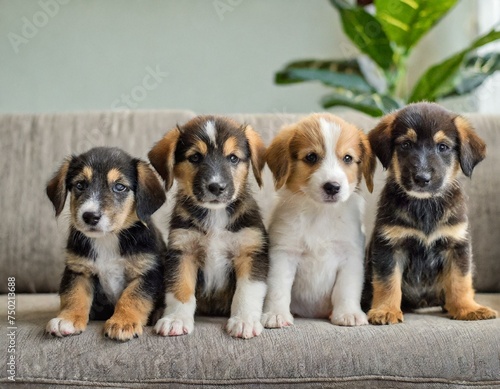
<point x="436" y="80"/>
<point x="372" y="104"/>
<point x="344" y="74"/>
<point x="472" y="74"/>
<point x="406" y="21"/>
<point x="366" y="33"/>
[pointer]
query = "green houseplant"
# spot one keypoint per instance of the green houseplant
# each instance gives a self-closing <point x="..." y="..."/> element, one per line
<point x="386" y="40"/>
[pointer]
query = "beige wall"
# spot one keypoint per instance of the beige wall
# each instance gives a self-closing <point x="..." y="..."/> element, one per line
<point x="208" y="56"/>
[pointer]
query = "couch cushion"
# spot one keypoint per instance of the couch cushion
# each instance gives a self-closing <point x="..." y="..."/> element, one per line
<point x="31" y="241"/>
<point x="427" y="351"/>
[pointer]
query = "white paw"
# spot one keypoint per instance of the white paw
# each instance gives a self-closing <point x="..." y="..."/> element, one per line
<point x="342" y="318"/>
<point x="174" y="325"/>
<point x="61" y="327"/>
<point x="277" y="320"/>
<point x="245" y="328"/>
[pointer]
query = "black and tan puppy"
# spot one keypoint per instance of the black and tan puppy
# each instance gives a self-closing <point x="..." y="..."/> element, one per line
<point x="114" y="267"/>
<point x="420" y="251"/>
<point x="217" y="245"/>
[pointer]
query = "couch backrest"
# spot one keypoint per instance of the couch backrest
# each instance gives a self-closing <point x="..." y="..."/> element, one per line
<point x="33" y="146"/>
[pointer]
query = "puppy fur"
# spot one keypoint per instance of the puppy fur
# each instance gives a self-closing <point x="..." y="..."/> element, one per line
<point x="217" y="246"/>
<point x="114" y="266"/>
<point x="420" y="250"/>
<point x="316" y="233"/>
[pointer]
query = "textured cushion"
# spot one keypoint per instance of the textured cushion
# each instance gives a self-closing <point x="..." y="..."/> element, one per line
<point x="32" y="147"/>
<point x="427" y="351"/>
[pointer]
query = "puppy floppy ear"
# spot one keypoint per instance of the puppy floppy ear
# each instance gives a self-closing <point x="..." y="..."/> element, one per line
<point x="56" y="187"/>
<point x="472" y="148"/>
<point x="257" y="153"/>
<point x="278" y="156"/>
<point x="368" y="161"/>
<point x="162" y="156"/>
<point x="149" y="194"/>
<point x="380" y="139"/>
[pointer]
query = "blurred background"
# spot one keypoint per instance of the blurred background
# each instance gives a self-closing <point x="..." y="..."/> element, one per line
<point x="208" y="56"/>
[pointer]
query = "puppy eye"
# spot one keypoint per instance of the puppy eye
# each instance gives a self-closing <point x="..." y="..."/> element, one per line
<point x="347" y="159"/>
<point x="442" y="147"/>
<point x="406" y="145"/>
<point x="80" y="185"/>
<point x="117" y="188"/>
<point x="311" y="158"/>
<point x="195" y="158"/>
<point x="233" y="159"/>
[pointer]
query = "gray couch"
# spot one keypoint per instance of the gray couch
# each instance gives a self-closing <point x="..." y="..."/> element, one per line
<point x="427" y="350"/>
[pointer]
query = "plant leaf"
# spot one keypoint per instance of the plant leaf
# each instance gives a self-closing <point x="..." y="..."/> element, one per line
<point x="405" y="22"/>
<point x="372" y="104"/>
<point x="437" y="79"/>
<point x="475" y="70"/>
<point x="344" y="74"/>
<point x="366" y="33"/>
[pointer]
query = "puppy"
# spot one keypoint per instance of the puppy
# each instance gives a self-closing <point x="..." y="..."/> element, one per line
<point x="113" y="266"/>
<point x="217" y="246"/>
<point x="420" y="250"/>
<point x="316" y="233"/>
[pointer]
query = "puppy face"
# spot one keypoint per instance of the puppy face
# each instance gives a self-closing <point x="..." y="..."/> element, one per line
<point x="323" y="157"/>
<point x="424" y="146"/>
<point x="109" y="191"/>
<point x="210" y="158"/>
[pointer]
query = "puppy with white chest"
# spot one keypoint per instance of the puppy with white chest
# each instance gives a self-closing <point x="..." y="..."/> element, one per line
<point x="316" y="233"/>
<point x="420" y="251"/>
<point x="217" y="246"/>
<point x="113" y="268"/>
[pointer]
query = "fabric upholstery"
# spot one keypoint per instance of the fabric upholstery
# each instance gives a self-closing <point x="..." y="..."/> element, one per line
<point x="33" y="146"/>
<point x="426" y="351"/>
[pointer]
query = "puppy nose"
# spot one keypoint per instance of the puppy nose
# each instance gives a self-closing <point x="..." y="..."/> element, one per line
<point x="91" y="218"/>
<point x="216" y="188"/>
<point x="422" y="179"/>
<point x="331" y="188"/>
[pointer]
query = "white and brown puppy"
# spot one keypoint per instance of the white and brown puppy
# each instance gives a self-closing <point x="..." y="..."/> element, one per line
<point x="316" y="232"/>
<point x="217" y="248"/>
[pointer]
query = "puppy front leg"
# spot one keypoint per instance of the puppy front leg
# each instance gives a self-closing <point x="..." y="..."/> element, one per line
<point x="131" y="313"/>
<point x="387" y="296"/>
<point x="282" y="269"/>
<point x="178" y="318"/>
<point x="76" y="293"/>
<point x="346" y="296"/>
<point x="459" y="296"/>
<point x="246" y="309"/>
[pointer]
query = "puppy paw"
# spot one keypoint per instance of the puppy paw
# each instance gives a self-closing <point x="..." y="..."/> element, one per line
<point x="63" y="327"/>
<point x="173" y="325"/>
<point x="123" y="329"/>
<point x="383" y="316"/>
<point x="277" y="320"/>
<point x="357" y="318"/>
<point x="477" y="313"/>
<point x="245" y="328"/>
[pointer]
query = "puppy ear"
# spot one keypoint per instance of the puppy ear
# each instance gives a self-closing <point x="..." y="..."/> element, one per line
<point x="56" y="187"/>
<point x="278" y="156"/>
<point x="257" y="153"/>
<point x="368" y="161"/>
<point x="380" y="139"/>
<point x="149" y="195"/>
<point x="162" y="156"/>
<point x="472" y="148"/>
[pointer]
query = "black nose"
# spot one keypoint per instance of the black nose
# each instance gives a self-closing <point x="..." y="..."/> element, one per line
<point x="91" y="218"/>
<point x="331" y="188"/>
<point x="422" y="179"/>
<point x="216" y="188"/>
